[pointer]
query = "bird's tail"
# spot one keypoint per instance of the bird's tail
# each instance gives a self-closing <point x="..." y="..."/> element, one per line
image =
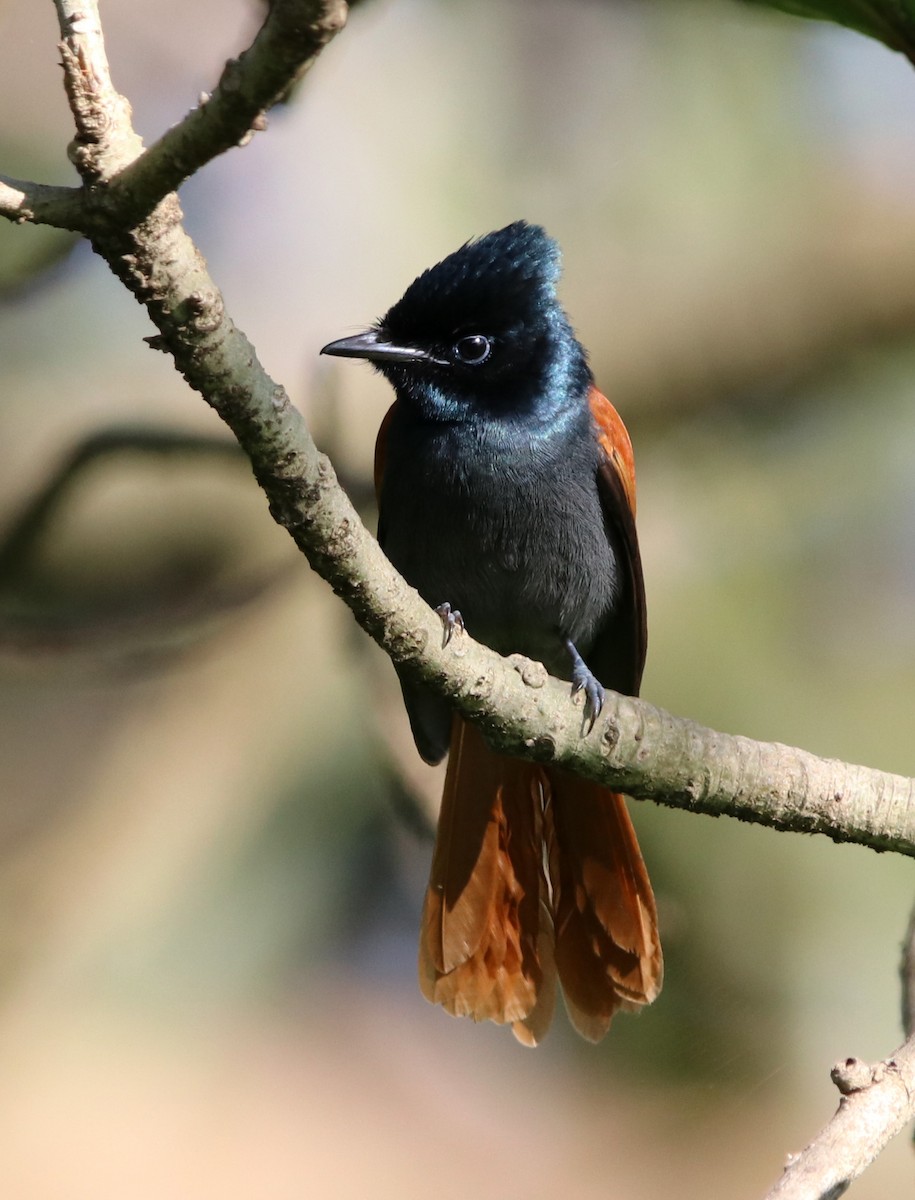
<point x="536" y="875"/>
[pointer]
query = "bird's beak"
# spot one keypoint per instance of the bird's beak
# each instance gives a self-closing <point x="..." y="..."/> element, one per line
<point x="372" y="345"/>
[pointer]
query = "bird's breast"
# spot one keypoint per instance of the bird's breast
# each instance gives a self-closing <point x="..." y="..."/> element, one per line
<point x="509" y="531"/>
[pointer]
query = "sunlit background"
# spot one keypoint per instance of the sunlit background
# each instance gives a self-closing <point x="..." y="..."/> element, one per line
<point x="212" y="826"/>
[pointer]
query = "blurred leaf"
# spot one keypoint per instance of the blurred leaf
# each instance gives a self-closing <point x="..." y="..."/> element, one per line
<point x="28" y="251"/>
<point x="890" y="21"/>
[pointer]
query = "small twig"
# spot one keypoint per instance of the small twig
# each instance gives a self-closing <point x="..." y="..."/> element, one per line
<point x="41" y="204"/>
<point x="877" y="1103"/>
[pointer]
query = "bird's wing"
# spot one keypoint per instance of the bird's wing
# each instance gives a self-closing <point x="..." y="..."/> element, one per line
<point x="430" y="715"/>
<point x="381" y="450"/>
<point x="608" y="953"/>
<point x="618" y="656"/>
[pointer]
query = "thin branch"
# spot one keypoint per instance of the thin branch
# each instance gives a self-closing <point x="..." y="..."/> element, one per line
<point x="877" y="1103"/>
<point x="290" y="40"/>
<point x="41" y="204"/>
<point x="107" y="149"/>
<point x="105" y="139"/>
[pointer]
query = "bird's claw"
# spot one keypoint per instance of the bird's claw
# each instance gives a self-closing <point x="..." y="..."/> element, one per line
<point x="594" y="698"/>
<point x="584" y="680"/>
<point x="451" y="620"/>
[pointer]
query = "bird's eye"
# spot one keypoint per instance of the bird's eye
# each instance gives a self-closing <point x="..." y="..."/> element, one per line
<point x="473" y="349"/>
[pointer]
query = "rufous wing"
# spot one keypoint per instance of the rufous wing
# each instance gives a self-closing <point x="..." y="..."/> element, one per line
<point x="618" y="657"/>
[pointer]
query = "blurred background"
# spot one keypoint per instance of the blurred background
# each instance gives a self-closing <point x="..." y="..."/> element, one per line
<point x="213" y="831"/>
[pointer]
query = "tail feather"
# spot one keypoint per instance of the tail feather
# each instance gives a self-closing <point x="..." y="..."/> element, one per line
<point x="536" y="874"/>
<point x="607" y="949"/>
<point x="486" y="938"/>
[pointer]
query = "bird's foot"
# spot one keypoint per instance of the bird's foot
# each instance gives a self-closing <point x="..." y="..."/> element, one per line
<point x="584" y="680"/>
<point x="451" y="620"/>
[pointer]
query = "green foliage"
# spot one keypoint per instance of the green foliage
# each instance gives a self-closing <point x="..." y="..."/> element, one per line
<point x="890" y="21"/>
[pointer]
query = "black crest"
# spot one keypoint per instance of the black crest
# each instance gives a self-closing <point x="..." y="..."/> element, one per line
<point x="496" y="283"/>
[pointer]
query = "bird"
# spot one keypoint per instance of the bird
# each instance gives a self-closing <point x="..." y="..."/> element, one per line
<point x="506" y="497"/>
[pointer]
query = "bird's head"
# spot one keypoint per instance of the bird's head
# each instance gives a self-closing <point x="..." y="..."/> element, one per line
<point x="482" y="332"/>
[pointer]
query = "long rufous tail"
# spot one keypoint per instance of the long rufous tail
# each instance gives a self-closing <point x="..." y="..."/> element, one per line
<point x="536" y="876"/>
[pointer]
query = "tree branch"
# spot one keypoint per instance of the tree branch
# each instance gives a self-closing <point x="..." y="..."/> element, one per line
<point x="877" y="1103"/>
